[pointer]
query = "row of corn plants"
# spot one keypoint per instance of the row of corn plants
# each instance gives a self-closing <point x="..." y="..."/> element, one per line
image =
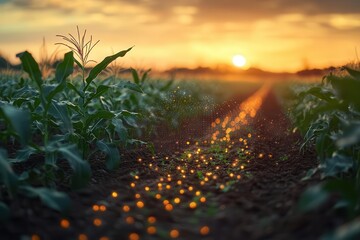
<point x="328" y="116"/>
<point x="52" y="126"/>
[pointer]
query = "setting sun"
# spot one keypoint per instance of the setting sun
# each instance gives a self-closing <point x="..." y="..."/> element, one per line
<point x="239" y="61"/>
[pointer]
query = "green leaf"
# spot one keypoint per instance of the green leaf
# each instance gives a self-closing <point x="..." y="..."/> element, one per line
<point x="23" y="154"/>
<point x="101" y="114"/>
<point x="144" y="76"/>
<point x="60" y="112"/>
<point x="321" y="93"/>
<point x="102" y="65"/>
<point x="336" y="165"/>
<point x="100" y="90"/>
<point x="348" y="191"/>
<point x="135" y="76"/>
<point x="7" y="175"/>
<point x="131" y="86"/>
<point x="72" y="87"/>
<point x="65" y="68"/>
<point x="31" y="67"/>
<point x="312" y="198"/>
<point x="350" y="136"/>
<point x="19" y="120"/>
<point x="112" y="153"/>
<point x="81" y="168"/>
<point x="354" y="73"/>
<point x="51" y="198"/>
<point x="4" y="212"/>
<point x="120" y="129"/>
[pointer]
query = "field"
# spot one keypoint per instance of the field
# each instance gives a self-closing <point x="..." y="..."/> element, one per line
<point x="87" y="153"/>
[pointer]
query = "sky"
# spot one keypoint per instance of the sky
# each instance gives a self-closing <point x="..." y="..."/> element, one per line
<point x="275" y="35"/>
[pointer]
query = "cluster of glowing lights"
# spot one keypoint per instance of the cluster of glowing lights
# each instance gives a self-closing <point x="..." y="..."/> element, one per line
<point x="175" y="187"/>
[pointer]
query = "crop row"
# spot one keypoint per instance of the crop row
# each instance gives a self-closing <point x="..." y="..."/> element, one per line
<point x="328" y="116"/>
<point x="52" y="126"/>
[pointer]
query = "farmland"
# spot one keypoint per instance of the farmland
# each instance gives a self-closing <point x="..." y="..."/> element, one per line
<point x="89" y="154"/>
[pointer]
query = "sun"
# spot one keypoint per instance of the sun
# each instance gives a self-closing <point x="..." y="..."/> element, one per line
<point x="239" y="61"/>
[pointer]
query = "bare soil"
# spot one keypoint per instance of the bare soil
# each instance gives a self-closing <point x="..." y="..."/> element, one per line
<point x="253" y="196"/>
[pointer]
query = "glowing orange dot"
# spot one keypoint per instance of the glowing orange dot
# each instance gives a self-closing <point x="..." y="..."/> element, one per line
<point x="136" y="177"/>
<point x="204" y="230"/>
<point x="82" y="237"/>
<point x="190" y="188"/>
<point x="95" y="208"/>
<point x="174" y="233"/>
<point x="169" y="207"/>
<point x="97" y="222"/>
<point x="114" y="194"/>
<point x="151" y="220"/>
<point x="103" y="208"/>
<point x="179" y="182"/>
<point x="137" y="195"/>
<point x="192" y="205"/>
<point x="151" y="230"/>
<point x="104" y="238"/>
<point x="126" y="208"/>
<point x="129" y="220"/>
<point x="35" y="237"/>
<point x="64" y="223"/>
<point x="182" y="191"/>
<point x="147" y="189"/>
<point x="157" y="196"/>
<point x="202" y="199"/>
<point x="197" y="193"/>
<point x="132" y="185"/>
<point x="134" y="236"/>
<point x="177" y="200"/>
<point x="140" y="204"/>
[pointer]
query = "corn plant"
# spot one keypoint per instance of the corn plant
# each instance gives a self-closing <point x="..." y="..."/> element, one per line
<point x="328" y="116"/>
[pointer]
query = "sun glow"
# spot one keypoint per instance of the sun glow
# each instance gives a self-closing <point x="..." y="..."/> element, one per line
<point x="239" y="61"/>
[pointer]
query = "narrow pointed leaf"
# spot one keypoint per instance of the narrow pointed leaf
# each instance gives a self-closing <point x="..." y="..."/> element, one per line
<point x="65" y="68"/>
<point x="19" y="120"/>
<point x="31" y="67"/>
<point x="60" y="112"/>
<point x="103" y="64"/>
<point x="81" y="168"/>
<point x="102" y="89"/>
<point x="135" y="76"/>
<point x="7" y="175"/>
<point x="112" y="154"/>
<point x="101" y="114"/>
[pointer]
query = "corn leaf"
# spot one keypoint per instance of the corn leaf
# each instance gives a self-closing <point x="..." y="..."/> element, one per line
<point x="65" y="68"/>
<point x="7" y="175"/>
<point x="19" y="120"/>
<point x="31" y="67"/>
<point x="102" y="65"/>
<point x="112" y="154"/>
<point x="81" y="168"/>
